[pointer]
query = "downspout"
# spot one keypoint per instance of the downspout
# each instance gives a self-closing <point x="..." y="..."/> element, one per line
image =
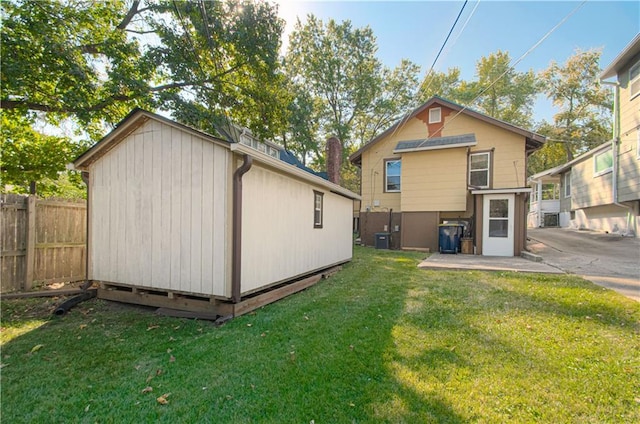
<point x="614" y="151"/>
<point x="236" y="258"/>
<point x="87" y="283"/>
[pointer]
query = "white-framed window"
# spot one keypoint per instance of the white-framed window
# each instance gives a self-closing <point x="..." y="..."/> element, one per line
<point x="634" y="80"/>
<point x="567" y="184"/>
<point x="435" y="115"/>
<point x="602" y="162"/>
<point x="479" y="169"/>
<point x="317" y="209"/>
<point x="392" y="172"/>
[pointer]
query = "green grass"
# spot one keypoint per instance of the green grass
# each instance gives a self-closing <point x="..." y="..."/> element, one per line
<point x="381" y="341"/>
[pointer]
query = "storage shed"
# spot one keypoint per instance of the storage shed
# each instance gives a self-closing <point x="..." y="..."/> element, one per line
<point x="181" y="219"/>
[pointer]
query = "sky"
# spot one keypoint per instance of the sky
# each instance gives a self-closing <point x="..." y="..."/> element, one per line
<point x="416" y="30"/>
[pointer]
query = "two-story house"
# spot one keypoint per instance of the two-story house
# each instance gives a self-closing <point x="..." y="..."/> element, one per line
<point x="447" y="163"/>
<point x="600" y="189"/>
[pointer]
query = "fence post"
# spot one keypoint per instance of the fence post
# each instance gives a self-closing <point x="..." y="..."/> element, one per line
<point x="31" y="242"/>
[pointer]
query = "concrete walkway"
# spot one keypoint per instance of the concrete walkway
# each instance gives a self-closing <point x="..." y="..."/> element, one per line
<point x="486" y="263"/>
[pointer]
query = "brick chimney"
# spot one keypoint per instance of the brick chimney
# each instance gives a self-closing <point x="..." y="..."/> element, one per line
<point x="334" y="159"/>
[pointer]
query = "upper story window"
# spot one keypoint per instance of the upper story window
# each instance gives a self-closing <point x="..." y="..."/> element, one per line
<point x="479" y="169"/>
<point x="392" y="171"/>
<point x="435" y="115"/>
<point x="634" y="80"/>
<point x="567" y="184"/>
<point x="602" y="162"/>
<point x="317" y="209"/>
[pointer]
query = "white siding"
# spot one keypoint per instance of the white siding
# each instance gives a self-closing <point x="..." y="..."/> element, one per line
<point x="158" y="212"/>
<point x="279" y="240"/>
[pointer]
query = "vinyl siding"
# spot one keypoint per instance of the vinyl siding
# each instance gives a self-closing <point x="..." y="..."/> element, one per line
<point x="158" y="212"/>
<point x="629" y="172"/>
<point x="587" y="190"/>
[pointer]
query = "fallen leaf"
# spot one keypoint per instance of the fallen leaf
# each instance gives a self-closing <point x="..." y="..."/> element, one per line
<point x="149" y="378"/>
<point x="83" y="326"/>
<point x="36" y="348"/>
<point x="147" y="389"/>
<point x="249" y="325"/>
<point x="172" y="358"/>
<point x="351" y="347"/>
<point x="86" y="409"/>
<point x="262" y="335"/>
<point x="162" y="400"/>
<point x="152" y="327"/>
<point x="306" y="318"/>
<point x="159" y="371"/>
<point x="169" y="350"/>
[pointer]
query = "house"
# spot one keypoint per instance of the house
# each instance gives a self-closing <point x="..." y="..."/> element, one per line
<point x="544" y="202"/>
<point x="185" y="220"/>
<point x="600" y="189"/>
<point x="446" y="163"/>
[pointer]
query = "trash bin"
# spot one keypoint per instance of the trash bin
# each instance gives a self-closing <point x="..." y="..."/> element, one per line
<point x="449" y="236"/>
<point x="382" y="240"/>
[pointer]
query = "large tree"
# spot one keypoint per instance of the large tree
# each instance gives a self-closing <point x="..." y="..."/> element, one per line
<point x="583" y="120"/>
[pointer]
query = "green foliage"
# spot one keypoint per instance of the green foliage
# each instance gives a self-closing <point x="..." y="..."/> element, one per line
<point x="380" y="341"/>
<point x="28" y="155"/>
<point x="584" y="117"/>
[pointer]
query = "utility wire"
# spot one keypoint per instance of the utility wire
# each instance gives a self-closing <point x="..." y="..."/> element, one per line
<point x="512" y="66"/>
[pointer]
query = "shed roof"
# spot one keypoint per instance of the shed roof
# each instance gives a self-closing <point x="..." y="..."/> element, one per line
<point x="533" y="140"/>
<point x="436" y="143"/>
<point x="138" y="117"/>
<point x="632" y="49"/>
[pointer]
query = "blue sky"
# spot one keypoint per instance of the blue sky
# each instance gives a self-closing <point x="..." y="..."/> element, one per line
<point x="416" y="30"/>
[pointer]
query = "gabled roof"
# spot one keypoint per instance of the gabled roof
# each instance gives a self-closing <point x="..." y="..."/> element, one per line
<point x="436" y="143"/>
<point x="632" y="49"/>
<point x="533" y="140"/>
<point x="560" y="169"/>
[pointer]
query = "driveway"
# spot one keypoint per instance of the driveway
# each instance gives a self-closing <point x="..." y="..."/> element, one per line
<point x="608" y="260"/>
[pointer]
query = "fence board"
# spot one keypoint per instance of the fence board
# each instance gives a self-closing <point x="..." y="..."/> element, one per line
<point x="58" y="243"/>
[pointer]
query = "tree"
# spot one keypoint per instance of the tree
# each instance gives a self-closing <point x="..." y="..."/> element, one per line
<point x="447" y="85"/>
<point x="584" y="117"/>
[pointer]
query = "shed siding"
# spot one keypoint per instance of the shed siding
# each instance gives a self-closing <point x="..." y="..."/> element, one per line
<point x="279" y="240"/>
<point x="158" y="214"/>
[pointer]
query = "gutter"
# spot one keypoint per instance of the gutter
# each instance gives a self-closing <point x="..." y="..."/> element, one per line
<point x="236" y="255"/>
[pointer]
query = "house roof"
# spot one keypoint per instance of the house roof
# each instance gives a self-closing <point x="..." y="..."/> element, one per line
<point x="533" y="140"/>
<point x="138" y="117"/>
<point x="562" y="168"/>
<point x="631" y="50"/>
<point x="436" y="143"/>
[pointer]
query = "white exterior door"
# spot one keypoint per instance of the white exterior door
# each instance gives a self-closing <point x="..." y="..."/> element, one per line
<point x="497" y="224"/>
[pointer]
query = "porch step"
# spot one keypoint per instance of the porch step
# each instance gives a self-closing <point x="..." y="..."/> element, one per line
<point x="531" y="256"/>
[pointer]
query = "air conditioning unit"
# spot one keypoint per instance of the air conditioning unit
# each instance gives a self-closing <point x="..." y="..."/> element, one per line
<point x="551" y="220"/>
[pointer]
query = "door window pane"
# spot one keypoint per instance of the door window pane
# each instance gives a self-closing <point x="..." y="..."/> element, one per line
<point x="498" y="228"/>
<point x="499" y="208"/>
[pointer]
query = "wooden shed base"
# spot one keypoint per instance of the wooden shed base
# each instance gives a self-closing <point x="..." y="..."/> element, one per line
<point x="204" y="307"/>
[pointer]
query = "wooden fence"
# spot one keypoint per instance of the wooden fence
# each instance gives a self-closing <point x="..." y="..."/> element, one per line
<point x="41" y="241"/>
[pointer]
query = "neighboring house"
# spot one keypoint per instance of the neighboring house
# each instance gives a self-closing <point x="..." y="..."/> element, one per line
<point x="600" y="190"/>
<point x="447" y="163"/>
<point x="181" y="219"/>
<point x="544" y="202"/>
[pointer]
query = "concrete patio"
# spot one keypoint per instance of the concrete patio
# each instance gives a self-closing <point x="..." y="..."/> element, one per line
<point x="486" y="263"/>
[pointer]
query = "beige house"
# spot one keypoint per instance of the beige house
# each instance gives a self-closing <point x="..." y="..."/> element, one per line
<point x="181" y="219"/>
<point x="600" y="190"/>
<point x="446" y="163"/>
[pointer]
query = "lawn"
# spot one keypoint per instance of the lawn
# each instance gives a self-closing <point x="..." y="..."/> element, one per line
<point x="381" y="341"/>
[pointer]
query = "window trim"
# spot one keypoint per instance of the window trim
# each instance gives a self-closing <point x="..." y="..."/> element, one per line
<point x="597" y="173"/>
<point x="386" y="184"/>
<point x="488" y="169"/>
<point x="435" y="109"/>
<point x="567" y="186"/>
<point x="635" y="67"/>
<point x="317" y="223"/>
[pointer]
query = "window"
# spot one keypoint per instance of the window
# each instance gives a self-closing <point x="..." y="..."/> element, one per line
<point x="479" y="164"/>
<point x="317" y="209"/>
<point x="435" y="115"/>
<point x="499" y="218"/>
<point x="602" y="162"/>
<point x="392" y="175"/>
<point x="634" y="80"/>
<point x="567" y="184"/>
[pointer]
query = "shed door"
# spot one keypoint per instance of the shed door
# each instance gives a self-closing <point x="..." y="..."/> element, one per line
<point x="498" y="225"/>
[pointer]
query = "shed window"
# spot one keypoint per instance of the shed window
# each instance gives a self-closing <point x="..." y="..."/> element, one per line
<point x="567" y="184"/>
<point x="479" y="169"/>
<point x="634" y="80"/>
<point x="435" y="115"/>
<point x="392" y="171"/>
<point x="317" y="209"/>
<point x="602" y="162"/>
